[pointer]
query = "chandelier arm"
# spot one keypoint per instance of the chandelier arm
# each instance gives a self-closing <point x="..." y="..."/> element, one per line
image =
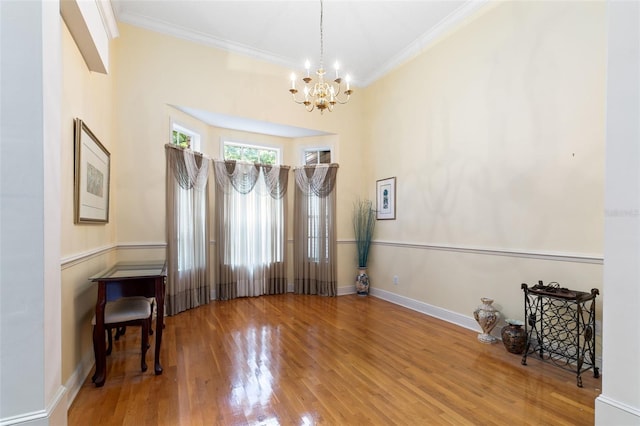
<point x="293" y="96"/>
<point x="338" y="93"/>
<point x="342" y="102"/>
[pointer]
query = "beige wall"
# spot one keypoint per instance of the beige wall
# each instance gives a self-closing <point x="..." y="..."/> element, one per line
<point x="86" y="249"/>
<point x="88" y="96"/>
<point x="496" y="136"/>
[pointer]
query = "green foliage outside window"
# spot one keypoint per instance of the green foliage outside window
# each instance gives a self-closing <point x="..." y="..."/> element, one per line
<point x="181" y="139"/>
<point x="250" y="154"/>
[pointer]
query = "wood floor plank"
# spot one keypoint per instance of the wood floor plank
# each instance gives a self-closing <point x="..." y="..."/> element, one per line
<point x="292" y="359"/>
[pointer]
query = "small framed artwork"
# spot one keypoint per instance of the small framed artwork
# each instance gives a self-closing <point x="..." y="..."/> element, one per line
<point x="386" y="198"/>
<point x="91" y="176"/>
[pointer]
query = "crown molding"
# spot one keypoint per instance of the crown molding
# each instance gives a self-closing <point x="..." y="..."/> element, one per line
<point x="447" y="24"/>
<point x="108" y="18"/>
<point x="188" y="34"/>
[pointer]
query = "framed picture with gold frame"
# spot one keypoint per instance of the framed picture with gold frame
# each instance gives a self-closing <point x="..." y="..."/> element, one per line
<point x="386" y="199"/>
<point x="91" y="176"/>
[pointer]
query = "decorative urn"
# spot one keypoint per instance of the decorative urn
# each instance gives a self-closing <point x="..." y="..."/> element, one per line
<point x="487" y="317"/>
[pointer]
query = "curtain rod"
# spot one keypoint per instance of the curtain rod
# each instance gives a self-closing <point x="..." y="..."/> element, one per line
<point x="314" y="166"/>
<point x="249" y="163"/>
<point x="179" y="148"/>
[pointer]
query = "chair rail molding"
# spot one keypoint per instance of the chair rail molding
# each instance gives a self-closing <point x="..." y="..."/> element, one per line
<point x="76" y="259"/>
<point x="521" y="253"/>
<point x="141" y="246"/>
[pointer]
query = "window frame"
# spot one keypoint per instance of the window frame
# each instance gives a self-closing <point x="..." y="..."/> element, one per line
<point x="195" y="136"/>
<point x="253" y="145"/>
<point x="317" y="150"/>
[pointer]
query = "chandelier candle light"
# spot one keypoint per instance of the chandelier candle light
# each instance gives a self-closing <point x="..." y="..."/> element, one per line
<point x="321" y="94"/>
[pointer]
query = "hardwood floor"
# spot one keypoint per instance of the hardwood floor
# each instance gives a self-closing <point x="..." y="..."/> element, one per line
<point x="298" y="360"/>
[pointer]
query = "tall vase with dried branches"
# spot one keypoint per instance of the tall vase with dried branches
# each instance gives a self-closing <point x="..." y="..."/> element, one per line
<point x="364" y="222"/>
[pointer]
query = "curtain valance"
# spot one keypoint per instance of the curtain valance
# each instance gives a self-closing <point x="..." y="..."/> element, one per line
<point x="318" y="180"/>
<point x="190" y="169"/>
<point x="242" y="177"/>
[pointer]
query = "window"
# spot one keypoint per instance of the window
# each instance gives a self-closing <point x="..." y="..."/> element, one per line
<point x="181" y="139"/>
<point x="251" y="153"/>
<point x="318" y="246"/>
<point x="314" y="236"/>
<point x="185" y="138"/>
<point x="185" y="201"/>
<point x="250" y="226"/>
<point x="317" y="156"/>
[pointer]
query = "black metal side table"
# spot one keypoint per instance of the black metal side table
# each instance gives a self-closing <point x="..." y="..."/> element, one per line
<point x="560" y="327"/>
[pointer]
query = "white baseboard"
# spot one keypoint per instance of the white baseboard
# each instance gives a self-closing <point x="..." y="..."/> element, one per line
<point x="81" y="372"/>
<point x="58" y="409"/>
<point x="612" y="412"/>
<point x="350" y="289"/>
<point x="427" y="309"/>
<point x="55" y="414"/>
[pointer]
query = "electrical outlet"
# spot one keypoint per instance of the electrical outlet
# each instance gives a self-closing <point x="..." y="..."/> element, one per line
<point x="396" y="280"/>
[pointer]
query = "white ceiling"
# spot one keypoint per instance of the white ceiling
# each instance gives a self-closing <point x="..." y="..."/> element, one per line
<point x="254" y="126"/>
<point x="368" y="38"/>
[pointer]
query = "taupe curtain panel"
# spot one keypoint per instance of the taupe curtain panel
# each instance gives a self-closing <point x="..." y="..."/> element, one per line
<point x="314" y="235"/>
<point x="187" y="207"/>
<point x="251" y="225"/>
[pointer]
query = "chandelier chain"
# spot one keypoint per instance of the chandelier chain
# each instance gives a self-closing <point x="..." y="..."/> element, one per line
<point x="321" y="36"/>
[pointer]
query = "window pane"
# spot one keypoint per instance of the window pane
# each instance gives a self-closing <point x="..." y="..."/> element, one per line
<point x="232" y="152"/>
<point x="325" y="157"/>
<point x="181" y="139"/>
<point x="311" y="157"/>
<point x="317" y="156"/>
<point x="185" y="138"/>
<point x="251" y="154"/>
<point x="267" y="157"/>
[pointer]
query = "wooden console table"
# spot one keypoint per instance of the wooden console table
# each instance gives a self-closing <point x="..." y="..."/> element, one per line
<point x="560" y="327"/>
<point x="127" y="279"/>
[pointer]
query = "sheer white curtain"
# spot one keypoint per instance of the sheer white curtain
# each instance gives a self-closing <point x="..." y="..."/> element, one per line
<point x="314" y="235"/>
<point x="251" y="213"/>
<point x="188" y="271"/>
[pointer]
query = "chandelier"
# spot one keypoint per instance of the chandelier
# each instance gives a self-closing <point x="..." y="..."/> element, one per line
<point x="322" y="94"/>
